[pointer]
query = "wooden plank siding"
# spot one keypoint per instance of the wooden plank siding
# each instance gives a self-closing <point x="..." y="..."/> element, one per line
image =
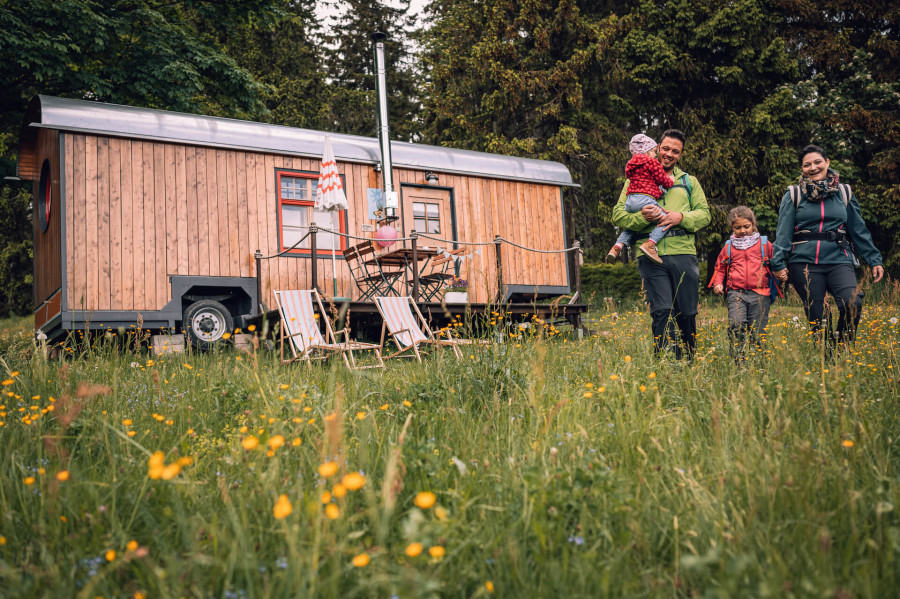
<point x="141" y="211"/>
<point x="47" y="246"/>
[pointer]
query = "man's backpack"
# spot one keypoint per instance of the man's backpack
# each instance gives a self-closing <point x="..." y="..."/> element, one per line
<point x="774" y="289"/>
<point x="686" y="183"/>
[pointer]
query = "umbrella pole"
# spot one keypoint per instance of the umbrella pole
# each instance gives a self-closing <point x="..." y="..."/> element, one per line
<point x="334" y="268"/>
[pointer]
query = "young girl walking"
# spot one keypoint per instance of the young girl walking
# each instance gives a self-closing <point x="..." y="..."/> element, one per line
<point x="742" y="274"/>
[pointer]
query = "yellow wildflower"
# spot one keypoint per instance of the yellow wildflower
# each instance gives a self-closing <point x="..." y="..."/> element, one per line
<point x="354" y="481"/>
<point x="361" y="560"/>
<point x="283" y="507"/>
<point x="414" y="549"/>
<point x="425" y="499"/>
<point x="328" y="469"/>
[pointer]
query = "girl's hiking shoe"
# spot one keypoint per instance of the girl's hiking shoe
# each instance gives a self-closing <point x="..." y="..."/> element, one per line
<point x="649" y="249"/>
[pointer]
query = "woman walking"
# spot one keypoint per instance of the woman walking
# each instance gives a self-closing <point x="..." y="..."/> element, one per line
<point x="819" y="224"/>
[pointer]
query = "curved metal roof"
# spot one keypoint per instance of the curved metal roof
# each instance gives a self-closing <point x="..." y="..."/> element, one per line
<point x="161" y="125"/>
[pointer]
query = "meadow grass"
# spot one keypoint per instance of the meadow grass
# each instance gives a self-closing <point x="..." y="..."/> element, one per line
<point x="558" y="467"/>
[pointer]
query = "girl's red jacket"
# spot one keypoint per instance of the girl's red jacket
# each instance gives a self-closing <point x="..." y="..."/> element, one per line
<point x="746" y="270"/>
<point x="645" y="175"/>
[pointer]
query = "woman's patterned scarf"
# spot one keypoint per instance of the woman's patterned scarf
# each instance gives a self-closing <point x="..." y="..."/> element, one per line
<point x="817" y="191"/>
<point x="744" y="243"/>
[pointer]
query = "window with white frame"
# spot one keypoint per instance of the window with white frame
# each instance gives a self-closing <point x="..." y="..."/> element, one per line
<point x="296" y="201"/>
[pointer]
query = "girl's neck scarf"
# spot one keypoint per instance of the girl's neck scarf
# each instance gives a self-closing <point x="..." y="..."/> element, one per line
<point x="744" y="243"/>
<point x="817" y="191"/>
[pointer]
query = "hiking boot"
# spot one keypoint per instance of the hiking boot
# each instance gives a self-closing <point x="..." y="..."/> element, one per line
<point x="649" y="249"/>
<point x="614" y="254"/>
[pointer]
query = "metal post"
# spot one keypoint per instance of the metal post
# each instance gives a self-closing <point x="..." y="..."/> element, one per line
<point x="415" y="265"/>
<point x="497" y="242"/>
<point x="313" y="233"/>
<point x="259" y="303"/>
<point x="391" y="200"/>
<point x="579" y="260"/>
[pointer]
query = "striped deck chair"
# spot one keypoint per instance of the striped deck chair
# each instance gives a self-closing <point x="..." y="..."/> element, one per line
<point x="404" y="323"/>
<point x="300" y="327"/>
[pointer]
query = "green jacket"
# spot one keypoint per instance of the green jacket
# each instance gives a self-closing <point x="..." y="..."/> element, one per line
<point x="828" y="215"/>
<point x="695" y="211"/>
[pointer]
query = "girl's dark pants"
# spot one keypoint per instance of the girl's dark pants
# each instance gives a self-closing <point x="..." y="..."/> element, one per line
<point x="673" y="291"/>
<point x="812" y="281"/>
<point x="748" y="314"/>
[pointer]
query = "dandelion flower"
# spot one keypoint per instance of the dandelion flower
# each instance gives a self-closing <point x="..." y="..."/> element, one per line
<point x="296" y="441"/>
<point x="28" y="480"/>
<point x="325" y="497"/>
<point x="628" y="358"/>
<point x="339" y="490"/>
<point x="425" y="499"/>
<point x="110" y="555"/>
<point x="276" y="442"/>
<point x="170" y="471"/>
<point x="283" y="507"/>
<point x="328" y="469"/>
<point x="360" y="415"/>
<point x="126" y="422"/>
<point x="414" y="549"/>
<point x="847" y="443"/>
<point x="354" y="481"/>
<point x="332" y="511"/>
<point x="437" y="552"/>
<point x="132" y="545"/>
<point x="489" y="586"/>
<point x="62" y="475"/>
<point x="384" y="407"/>
<point x="8" y="382"/>
<point x="361" y="560"/>
<point x="441" y="513"/>
<point x="250" y="443"/>
<point x="588" y="394"/>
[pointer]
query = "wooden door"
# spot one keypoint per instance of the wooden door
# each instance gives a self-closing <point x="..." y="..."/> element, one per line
<point x="427" y="211"/>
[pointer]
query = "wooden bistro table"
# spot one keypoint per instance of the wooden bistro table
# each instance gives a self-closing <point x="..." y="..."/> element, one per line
<point x="403" y="258"/>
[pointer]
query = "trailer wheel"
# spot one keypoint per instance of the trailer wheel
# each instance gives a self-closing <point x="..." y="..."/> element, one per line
<point x="206" y="322"/>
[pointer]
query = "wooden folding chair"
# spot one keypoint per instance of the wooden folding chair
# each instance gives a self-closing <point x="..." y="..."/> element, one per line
<point x="370" y="279"/>
<point x="443" y="269"/>
<point x="407" y="327"/>
<point x="300" y="327"/>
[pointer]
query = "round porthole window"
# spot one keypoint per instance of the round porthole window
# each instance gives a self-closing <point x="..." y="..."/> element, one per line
<point x="45" y="196"/>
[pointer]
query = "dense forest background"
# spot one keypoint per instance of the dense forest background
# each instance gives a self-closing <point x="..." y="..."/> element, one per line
<point x="749" y="81"/>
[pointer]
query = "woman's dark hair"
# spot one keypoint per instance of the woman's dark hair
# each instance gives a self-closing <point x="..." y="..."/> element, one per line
<point x="811" y="149"/>
<point x="675" y="134"/>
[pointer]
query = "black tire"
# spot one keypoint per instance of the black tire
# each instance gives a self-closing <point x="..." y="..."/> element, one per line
<point x="205" y="322"/>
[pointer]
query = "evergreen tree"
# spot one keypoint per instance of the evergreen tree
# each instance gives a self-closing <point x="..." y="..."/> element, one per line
<point x="350" y="66"/>
<point x="285" y="57"/>
<point x="518" y="78"/>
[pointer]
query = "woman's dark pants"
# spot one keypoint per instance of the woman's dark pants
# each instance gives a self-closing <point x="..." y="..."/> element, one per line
<point x="813" y="281"/>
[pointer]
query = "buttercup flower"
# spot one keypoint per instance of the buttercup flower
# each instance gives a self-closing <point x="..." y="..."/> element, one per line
<point x="354" y="481"/>
<point x="361" y="560"/>
<point x="283" y="507"/>
<point x="425" y="499"/>
<point x="328" y="469"/>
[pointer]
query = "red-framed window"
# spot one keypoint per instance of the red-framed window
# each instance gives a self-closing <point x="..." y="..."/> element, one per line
<point x="296" y="201"/>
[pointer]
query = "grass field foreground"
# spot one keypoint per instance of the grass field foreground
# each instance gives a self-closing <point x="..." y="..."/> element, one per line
<point x="544" y="466"/>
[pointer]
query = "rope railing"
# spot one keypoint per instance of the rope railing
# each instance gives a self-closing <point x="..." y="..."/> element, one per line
<point x="497" y="242"/>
